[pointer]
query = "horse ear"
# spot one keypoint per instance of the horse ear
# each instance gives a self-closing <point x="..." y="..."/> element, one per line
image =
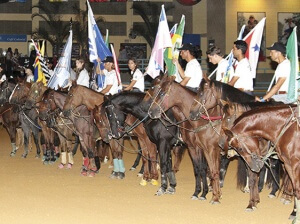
<point x="224" y="102"/>
<point x="227" y="132"/>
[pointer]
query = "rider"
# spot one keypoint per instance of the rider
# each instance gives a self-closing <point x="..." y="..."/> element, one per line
<point x="282" y="74"/>
<point x="137" y="82"/>
<point x="83" y="76"/>
<point x="216" y="57"/>
<point x="242" y="77"/>
<point x="192" y="75"/>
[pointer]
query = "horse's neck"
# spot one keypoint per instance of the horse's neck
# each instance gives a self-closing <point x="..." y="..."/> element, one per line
<point x="92" y="98"/>
<point x="267" y="125"/>
<point x="183" y="99"/>
<point x="137" y="108"/>
<point x="59" y="100"/>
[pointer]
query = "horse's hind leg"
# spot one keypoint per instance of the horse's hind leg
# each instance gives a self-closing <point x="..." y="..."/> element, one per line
<point x="275" y="168"/>
<point x="36" y="142"/>
<point x="254" y="194"/>
<point x="261" y="180"/>
<point x="223" y="169"/>
<point x="12" y="134"/>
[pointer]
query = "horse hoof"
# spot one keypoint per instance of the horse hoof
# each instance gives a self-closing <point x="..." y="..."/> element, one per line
<point x="60" y="166"/>
<point x="160" y="191"/>
<point x="84" y="173"/>
<point x="292" y="217"/>
<point x="12" y="154"/>
<point x="110" y="166"/>
<point x="249" y="209"/>
<point x="171" y="190"/>
<point x="154" y="182"/>
<point x="69" y="166"/>
<point x="132" y="168"/>
<point x="202" y="198"/>
<point x="24" y="156"/>
<point x="140" y="175"/>
<point x="271" y="196"/>
<point x="143" y="182"/>
<point x="214" y="202"/>
<point x="114" y="175"/>
<point x="92" y="173"/>
<point x="37" y="156"/>
<point x="194" y="197"/>
<point x="121" y="175"/>
<point x="105" y="160"/>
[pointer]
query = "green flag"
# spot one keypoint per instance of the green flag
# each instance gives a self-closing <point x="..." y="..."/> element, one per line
<point x="171" y="53"/>
<point x="107" y="38"/>
<point x="292" y="55"/>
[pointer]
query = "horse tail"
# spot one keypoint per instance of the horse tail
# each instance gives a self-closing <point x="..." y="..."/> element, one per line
<point x="178" y="153"/>
<point x="241" y="174"/>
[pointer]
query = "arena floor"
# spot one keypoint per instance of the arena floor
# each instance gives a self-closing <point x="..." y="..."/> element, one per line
<point x="33" y="193"/>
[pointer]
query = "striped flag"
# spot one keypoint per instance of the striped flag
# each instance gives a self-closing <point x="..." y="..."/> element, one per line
<point x="173" y="51"/>
<point x="162" y="41"/>
<point x="40" y="64"/>
<point x="292" y="55"/>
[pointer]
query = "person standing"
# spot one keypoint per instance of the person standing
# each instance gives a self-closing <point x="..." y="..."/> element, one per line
<point x="83" y="75"/>
<point x="2" y="73"/>
<point x="282" y="74"/>
<point x="192" y="75"/>
<point x="137" y="82"/>
<point x="242" y="77"/>
<point x="215" y="56"/>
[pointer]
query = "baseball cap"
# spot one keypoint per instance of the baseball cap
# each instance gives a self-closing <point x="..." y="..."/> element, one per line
<point x="109" y="59"/>
<point x="189" y="47"/>
<point x="278" y="47"/>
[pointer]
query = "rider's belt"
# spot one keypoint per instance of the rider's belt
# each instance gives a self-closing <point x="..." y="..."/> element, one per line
<point x="282" y="92"/>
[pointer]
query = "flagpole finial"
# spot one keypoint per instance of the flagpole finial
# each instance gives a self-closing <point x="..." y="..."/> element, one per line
<point x="71" y="21"/>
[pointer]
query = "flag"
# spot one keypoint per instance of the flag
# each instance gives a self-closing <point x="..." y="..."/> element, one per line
<point x="253" y="39"/>
<point x="173" y="51"/>
<point x="162" y="41"/>
<point x="292" y="55"/>
<point x="226" y="76"/>
<point x="38" y="62"/>
<point x="97" y="47"/>
<point x="62" y="70"/>
<point x="116" y="64"/>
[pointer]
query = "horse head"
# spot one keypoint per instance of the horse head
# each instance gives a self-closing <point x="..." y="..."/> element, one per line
<point x="115" y="116"/>
<point x="205" y="100"/>
<point x="73" y="100"/>
<point x="160" y="94"/>
<point x="35" y="94"/>
<point x="47" y="104"/>
<point x="20" y="93"/>
<point x="102" y="123"/>
<point x="247" y="147"/>
<point x="6" y="89"/>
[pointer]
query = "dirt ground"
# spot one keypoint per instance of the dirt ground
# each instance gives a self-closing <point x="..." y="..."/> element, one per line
<point x="33" y="193"/>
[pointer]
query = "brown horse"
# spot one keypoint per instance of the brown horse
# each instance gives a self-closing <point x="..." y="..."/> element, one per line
<point x="84" y="128"/>
<point x="35" y="94"/>
<point x="201" y="136"/>
<point x="278" y="124"/>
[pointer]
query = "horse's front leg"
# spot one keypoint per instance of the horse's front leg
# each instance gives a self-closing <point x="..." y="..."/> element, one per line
<point x="12" y="131"/>
<point x="163" y="168"/>
<point x="254" y="192"/>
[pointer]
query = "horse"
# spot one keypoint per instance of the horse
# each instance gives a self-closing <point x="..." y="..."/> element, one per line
<point x="279" y="125"/>
<point x="201" y="135"/>
<point x="212" y="94"/>
<point x="35" y="94"/>
<point x="24" y="117"/>
<point x="84" y="128"/>
<point x="164" y="136"/>
<point x="93" y="102"/>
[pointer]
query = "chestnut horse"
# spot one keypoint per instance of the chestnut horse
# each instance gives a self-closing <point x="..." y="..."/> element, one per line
<point x="279" y="125"/>
<point x="202" y="136"/>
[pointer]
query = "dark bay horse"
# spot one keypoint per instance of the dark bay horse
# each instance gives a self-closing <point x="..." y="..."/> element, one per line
<point x="279" y="125"/>
<point x="201" y="136"/>
<point x="27" y="118"/>
<point x="84" y="128"/>
<point x="165" y="137"/>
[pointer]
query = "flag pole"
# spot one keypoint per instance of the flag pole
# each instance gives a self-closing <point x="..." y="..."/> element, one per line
<point x="271" y="83"/>
<point x="217" y="67"/>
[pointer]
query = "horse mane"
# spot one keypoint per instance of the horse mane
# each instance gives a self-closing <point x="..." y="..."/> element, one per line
<point x="228" y="93"/>
<point x="264" y="110"/>
<point x="125" y="97"/>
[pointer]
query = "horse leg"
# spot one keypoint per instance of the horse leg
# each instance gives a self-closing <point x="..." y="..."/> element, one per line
<point x="77" y="141"/>
<point x="203" y="175"/>
<point x="11" y="129"/>
<point x="275" y="168"/>
<point x="254" y="193"/>
<point x="293" y="213"/>
<point x="261" y="179"/>
<point x="138" y="158"/>
<point x="113" y="146"/>
<point x="19" y="138"/>
<point x="163" y="156"/>
<point x="26" y="141"/>
<point x="36" y="142"/>
<point x="224" y="166"/>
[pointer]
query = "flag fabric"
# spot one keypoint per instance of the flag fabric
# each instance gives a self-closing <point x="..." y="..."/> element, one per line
<point x="97" y="47"/>
<point x="173" y="51"/>
<point x="253" y="39"/>
<point x="38" y="63"/>
<point x="229" y="68"/>
<point x="107" y="38"/>
<point x="116" y="64"/>
<point x="162" y="41"/>
<point x="292" y="55"/>
<point x="62" y="71"/>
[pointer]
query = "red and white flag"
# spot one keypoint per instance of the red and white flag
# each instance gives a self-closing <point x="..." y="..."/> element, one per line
<point x="162" y="41"/>
<point x="253" y="39"/>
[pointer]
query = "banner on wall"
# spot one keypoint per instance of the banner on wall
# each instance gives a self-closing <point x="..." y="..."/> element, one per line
<point x="23" y="1"/>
